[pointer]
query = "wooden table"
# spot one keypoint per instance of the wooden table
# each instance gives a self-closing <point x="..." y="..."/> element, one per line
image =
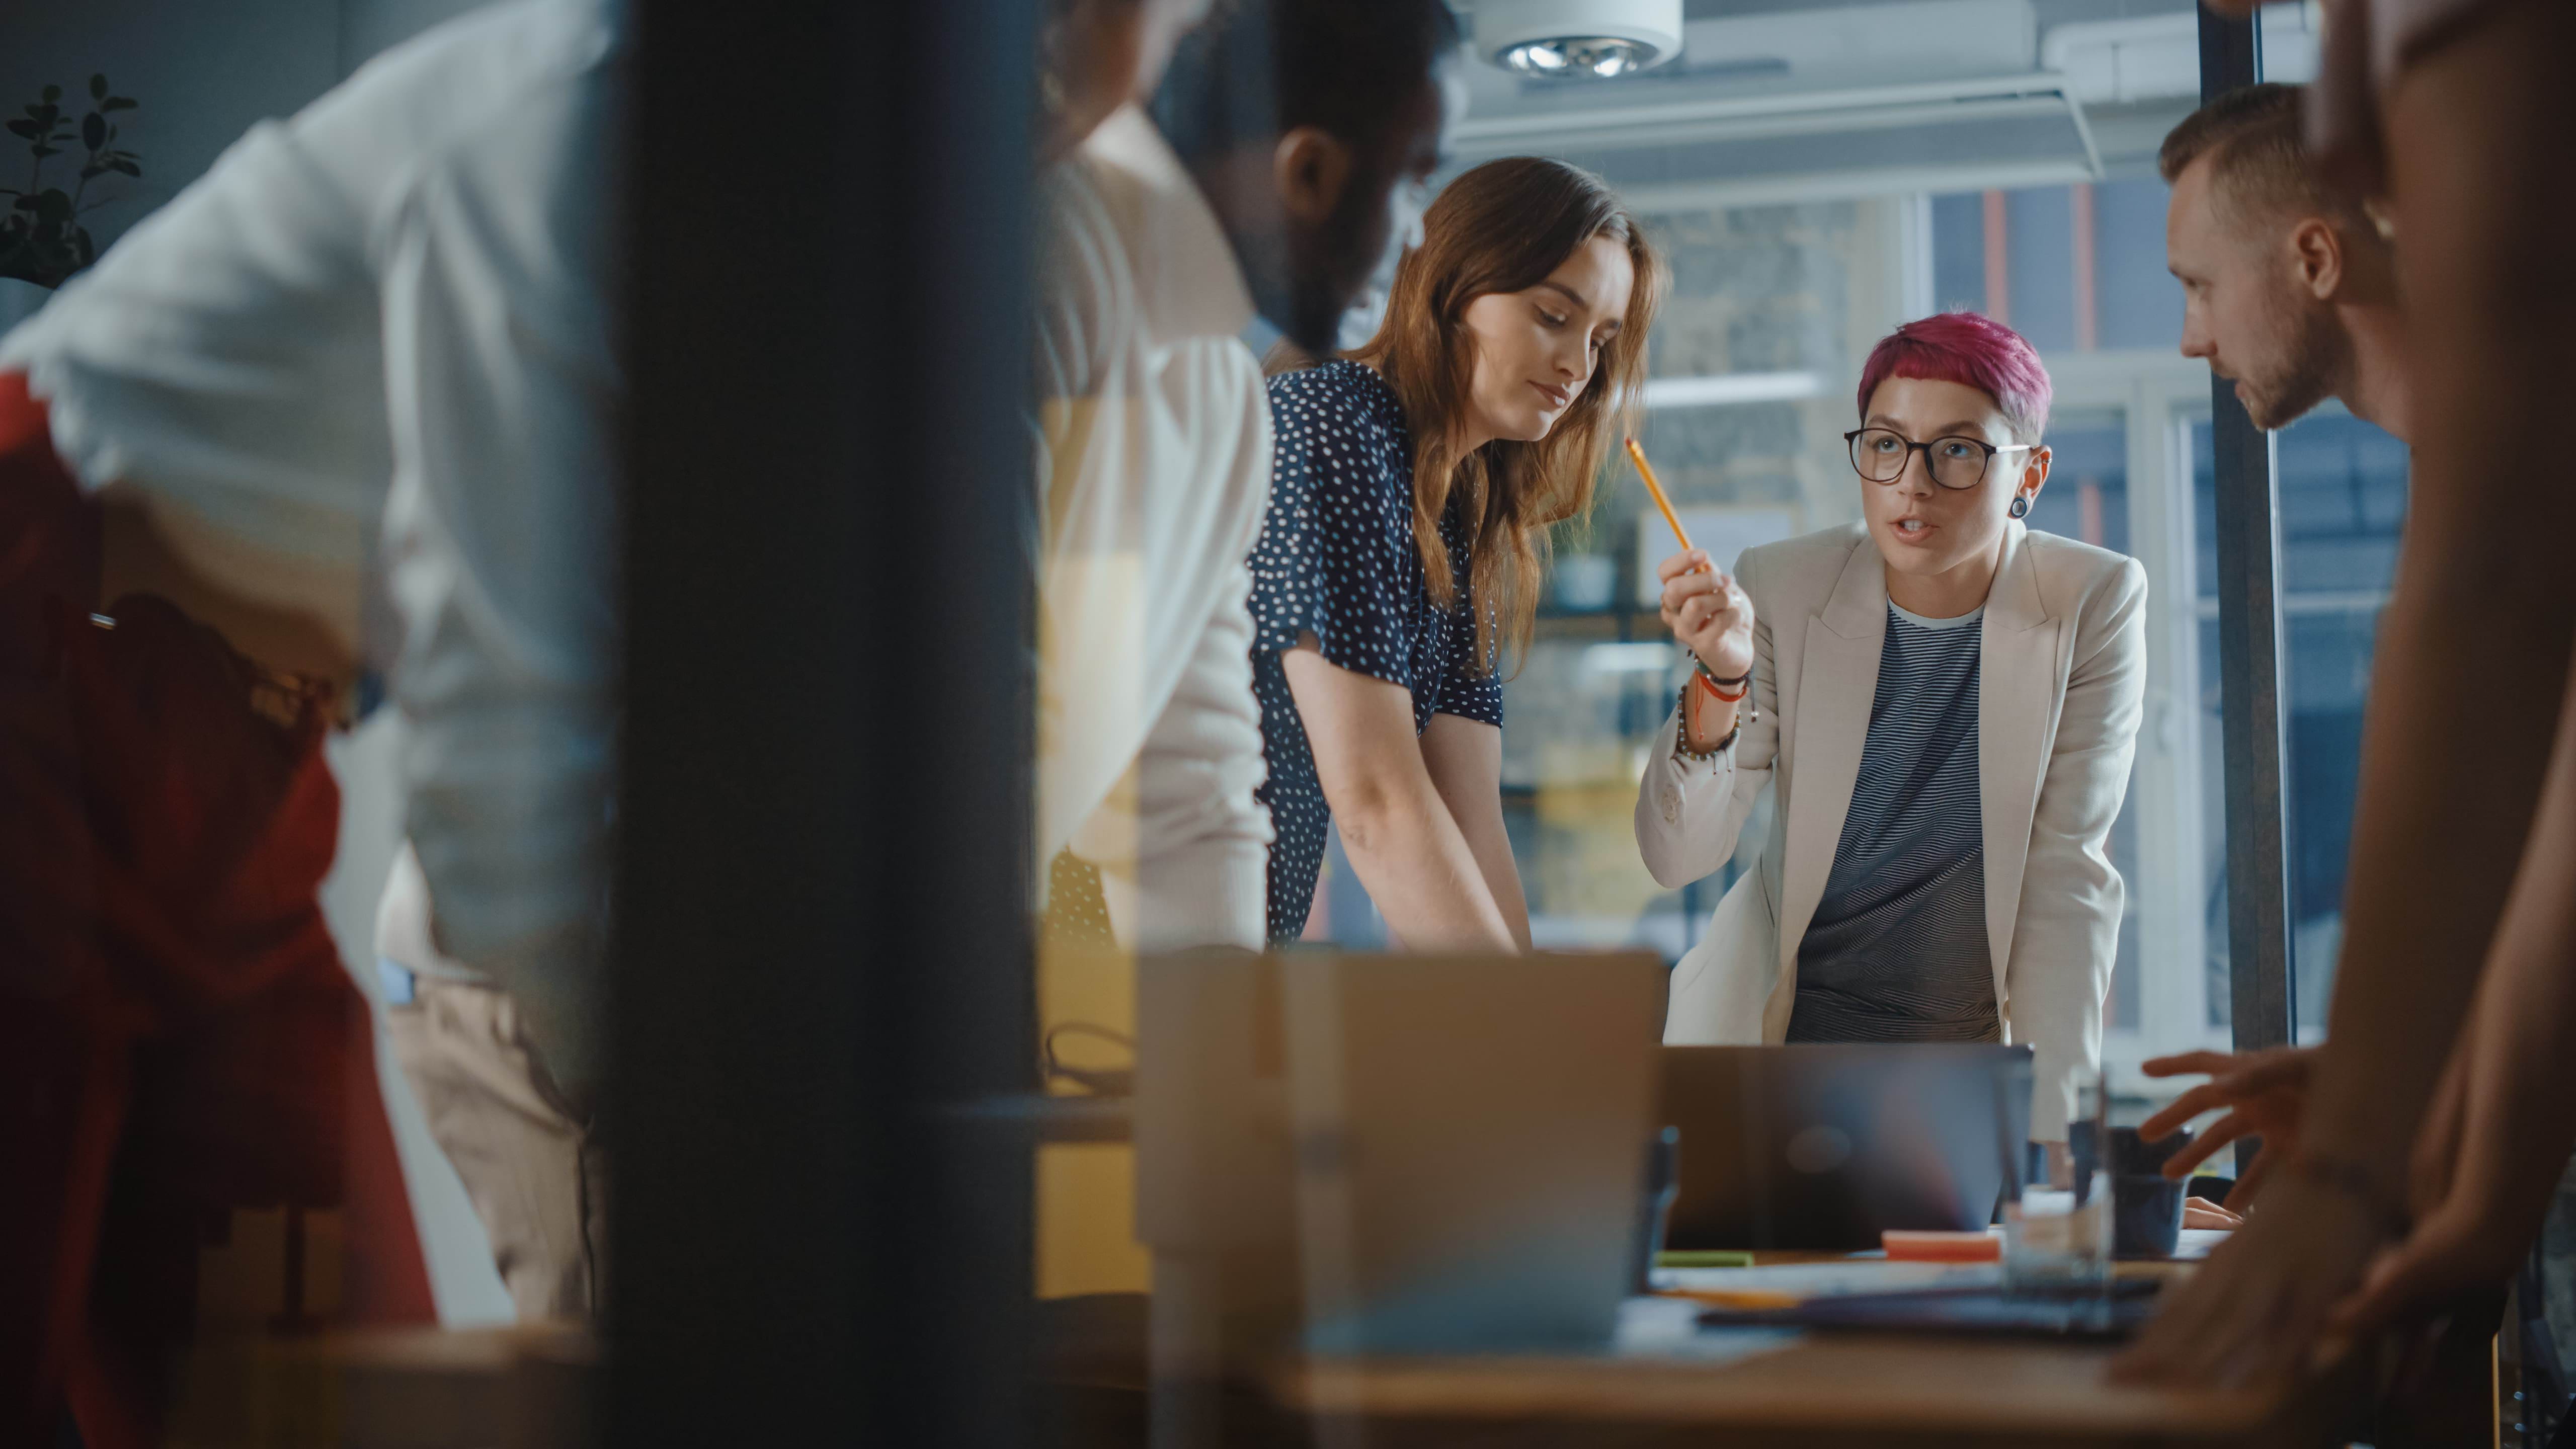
<point x="1819" y="1390"/>
<point x="1811" y="1390"/>
<point x="522" y="1387"/>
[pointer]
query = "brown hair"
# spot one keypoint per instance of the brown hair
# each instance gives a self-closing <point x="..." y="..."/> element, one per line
<point x="2260" y="165"/>
<point x="1503" y="227"/>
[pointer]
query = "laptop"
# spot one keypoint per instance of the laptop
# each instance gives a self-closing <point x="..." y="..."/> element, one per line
<point x="1470" y="1137"/>
<point x="1825" y="1147"/>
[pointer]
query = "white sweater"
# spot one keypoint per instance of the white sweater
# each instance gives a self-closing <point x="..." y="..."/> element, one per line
<point x="1154" y="457"/>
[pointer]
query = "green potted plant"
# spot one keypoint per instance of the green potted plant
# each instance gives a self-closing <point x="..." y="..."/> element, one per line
<point x="42" y="240"/>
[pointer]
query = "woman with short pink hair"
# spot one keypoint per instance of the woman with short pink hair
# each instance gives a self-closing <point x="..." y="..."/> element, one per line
<point x="1943" y="704"/>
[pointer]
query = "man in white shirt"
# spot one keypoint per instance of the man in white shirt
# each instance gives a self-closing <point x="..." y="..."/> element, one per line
<point x="1155" y="457"/>
<point x="348" y="399"/>
<point x="1155" y="427"/>
<point x="1315" y="124"/>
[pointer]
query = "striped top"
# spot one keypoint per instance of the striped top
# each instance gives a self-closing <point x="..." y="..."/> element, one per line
<point x="1897" y="950"/>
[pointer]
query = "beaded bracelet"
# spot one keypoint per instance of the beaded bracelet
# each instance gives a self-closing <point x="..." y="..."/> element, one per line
<point x="1746" y="708"/>
<point x="1681" y="733"/>
<point x="1742" y="684"/>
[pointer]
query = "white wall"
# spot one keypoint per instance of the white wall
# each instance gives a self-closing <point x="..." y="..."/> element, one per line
<point x="203" y="73"/>
<point x="368" y="26"/>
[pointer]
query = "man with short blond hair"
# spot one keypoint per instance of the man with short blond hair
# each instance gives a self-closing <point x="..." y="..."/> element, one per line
<point x="2289" y="288"/>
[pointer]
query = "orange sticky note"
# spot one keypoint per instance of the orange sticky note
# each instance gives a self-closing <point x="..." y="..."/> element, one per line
<point x="1929" y="1247"/>
<point x="1739" y="1299"/>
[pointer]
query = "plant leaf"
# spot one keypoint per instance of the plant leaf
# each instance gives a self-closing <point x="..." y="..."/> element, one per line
<point x="94" y="130"/>
<point x="23" y="128"/>
<point x="117" y="103"/>
<point x="50" y="94"/>
<point x="98" y="87"/>
<point x="128" y="167"/>
<point x="44" y="151"/>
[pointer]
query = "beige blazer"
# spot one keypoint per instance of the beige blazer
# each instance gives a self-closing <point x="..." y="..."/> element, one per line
<point x="2062" y="671"/>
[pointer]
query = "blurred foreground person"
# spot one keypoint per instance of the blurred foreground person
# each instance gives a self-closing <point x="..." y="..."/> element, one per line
<point x="1404" y="548"/>
<point x="1297" y="129"/>
<point x="2457" y="115"/>
<point x="343" y="406"/>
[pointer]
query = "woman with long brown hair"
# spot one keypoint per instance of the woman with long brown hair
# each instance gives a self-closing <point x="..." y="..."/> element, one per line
<point x="1401" y="558"/>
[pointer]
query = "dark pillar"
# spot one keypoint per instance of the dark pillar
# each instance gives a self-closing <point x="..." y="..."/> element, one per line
<point x="2249" y="658"/>
<point x="821" y="931"/>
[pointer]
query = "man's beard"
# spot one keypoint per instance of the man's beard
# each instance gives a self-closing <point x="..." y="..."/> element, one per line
<point x="2317" y="357"/>
<point x="1331" y="265"/>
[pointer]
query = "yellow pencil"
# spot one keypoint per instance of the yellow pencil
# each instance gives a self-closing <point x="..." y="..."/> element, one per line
<point x="1646" y="471"/>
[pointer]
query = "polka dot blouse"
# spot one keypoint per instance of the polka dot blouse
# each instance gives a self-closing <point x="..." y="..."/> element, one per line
<point x="1336" y="558"/>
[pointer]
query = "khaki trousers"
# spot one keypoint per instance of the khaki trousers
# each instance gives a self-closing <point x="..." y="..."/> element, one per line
<point x="530" y="1163"/>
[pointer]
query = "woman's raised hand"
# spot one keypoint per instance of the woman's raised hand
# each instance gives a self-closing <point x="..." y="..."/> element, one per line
<point x="1708" y="612"/>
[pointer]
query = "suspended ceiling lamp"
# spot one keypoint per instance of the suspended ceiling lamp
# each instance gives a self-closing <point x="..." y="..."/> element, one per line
<point x="1578" y="39"/>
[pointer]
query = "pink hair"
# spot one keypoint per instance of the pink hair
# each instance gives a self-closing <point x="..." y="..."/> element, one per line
<point x="1972" y="351"/>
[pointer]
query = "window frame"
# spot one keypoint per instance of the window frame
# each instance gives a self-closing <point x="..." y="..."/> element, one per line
<point x="2161" y="395"/>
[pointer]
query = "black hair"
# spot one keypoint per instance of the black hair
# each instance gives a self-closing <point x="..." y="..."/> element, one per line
<point x="1258" y="68"/>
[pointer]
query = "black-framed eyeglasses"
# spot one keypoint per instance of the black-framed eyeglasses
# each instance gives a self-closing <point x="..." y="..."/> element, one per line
<point x="1880" y="455"/>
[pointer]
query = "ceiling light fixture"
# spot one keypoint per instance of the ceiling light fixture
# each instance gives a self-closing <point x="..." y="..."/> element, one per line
<point x="1578" y="39"/>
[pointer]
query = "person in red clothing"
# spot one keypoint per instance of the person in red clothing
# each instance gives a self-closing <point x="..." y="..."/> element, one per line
<point x="178" y="1039"/>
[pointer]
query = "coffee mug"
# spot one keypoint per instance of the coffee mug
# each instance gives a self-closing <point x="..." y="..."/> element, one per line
<point x="2146" y="1206"/>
